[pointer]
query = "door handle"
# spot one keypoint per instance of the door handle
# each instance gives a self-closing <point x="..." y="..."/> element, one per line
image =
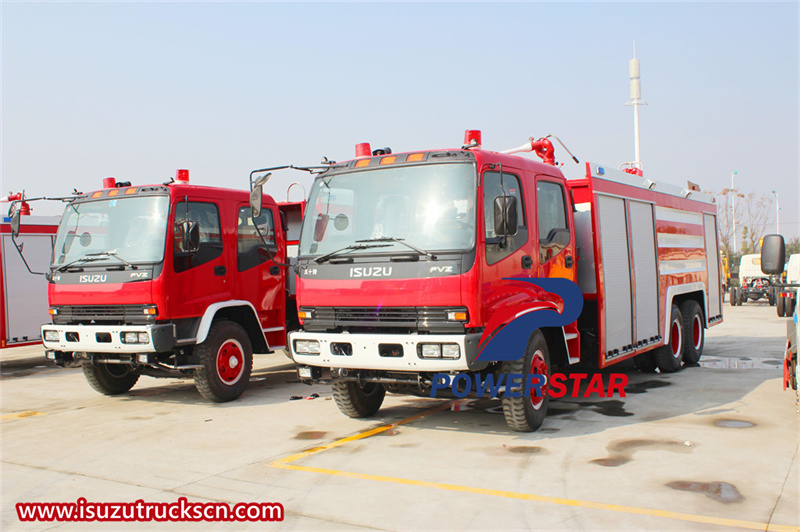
<point x="220" y="270"/>
<point x="568" y="262"/>
<point x="527" y="262"/>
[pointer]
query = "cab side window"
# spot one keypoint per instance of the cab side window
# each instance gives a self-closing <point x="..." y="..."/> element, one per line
<point x="552" y="215"/>
<point x="206" y="216"/>
<point x="250" y="249"/>
<point x="499" y="247"/>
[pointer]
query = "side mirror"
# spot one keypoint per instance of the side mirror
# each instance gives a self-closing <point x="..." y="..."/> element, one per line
<point x="320" y="226"/>
<point x="255" y="200"/>
<point x="773" y="255"/>
<point x="187" y="235"/>
<point x="15" y="223"/>
<point x="505" y="216"/>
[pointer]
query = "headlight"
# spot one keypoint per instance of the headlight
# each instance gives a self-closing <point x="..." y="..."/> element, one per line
<point x="306" y="347"/>
<point x="51" y="336"/>
<point x="431" y="351"/>
<point x="144" y="338"/>
<point x="130" y="338"/>
<point x="451" y="351"/>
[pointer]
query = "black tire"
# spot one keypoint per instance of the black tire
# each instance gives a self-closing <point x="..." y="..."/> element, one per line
<point x="781" y="306"/>
<point x="740" y="298"/>
<point x="110" y="379"/>
<point x="355" y="400"/>
<point x="227" y="360"/>
<point x="771" y="296"/>
<point x="788" y="307"/>
<point x="694" y="327"/>
<point x="526" y="414"/>
<point x="646" y="362"/>
<point x="732" y="297"/>
<point x="669" y="358"/>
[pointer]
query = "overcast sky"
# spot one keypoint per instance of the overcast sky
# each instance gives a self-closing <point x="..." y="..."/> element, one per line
<point x="137" y="90"/>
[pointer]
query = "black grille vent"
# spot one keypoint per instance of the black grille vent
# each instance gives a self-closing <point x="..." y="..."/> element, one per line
<point x="430" y="319"/>
<point x="106" y="314"/>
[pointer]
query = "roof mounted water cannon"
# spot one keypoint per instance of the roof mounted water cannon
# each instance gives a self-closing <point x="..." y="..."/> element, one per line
<point x="18" y="203"/>
<point x="543" y="148"/>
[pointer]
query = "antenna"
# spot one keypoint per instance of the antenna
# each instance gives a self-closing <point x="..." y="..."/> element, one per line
<point x="635" y="101"/>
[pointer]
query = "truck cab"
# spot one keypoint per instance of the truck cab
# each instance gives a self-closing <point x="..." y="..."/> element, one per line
<point x="167" y="280"/>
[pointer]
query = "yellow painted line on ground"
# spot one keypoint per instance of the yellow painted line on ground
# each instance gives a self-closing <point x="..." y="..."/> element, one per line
<point x="286" y="463"/>
<point x="20" y="415"/>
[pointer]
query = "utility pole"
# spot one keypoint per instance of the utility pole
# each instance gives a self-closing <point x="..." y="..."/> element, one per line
<point x="733" y="209"/>
<point x="777" y="214"/>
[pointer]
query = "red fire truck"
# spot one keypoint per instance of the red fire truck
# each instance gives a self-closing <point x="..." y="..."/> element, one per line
<point x="169" y="280"/>
<point x="403" y="257"/>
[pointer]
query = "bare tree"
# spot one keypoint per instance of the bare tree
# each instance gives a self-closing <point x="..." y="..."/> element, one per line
<point x="725" y="219"/>
<point x="757" y="213"/>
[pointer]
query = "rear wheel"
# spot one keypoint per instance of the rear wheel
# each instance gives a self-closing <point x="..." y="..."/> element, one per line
<point x="110" y="379"/>
<point x="781" y="306"/>
<point x="356" y="400"/>
<point x="227" y="360"/>
<point x="771" y="296"/>
<point x="526" y="414"/>
<point x="788" y="306"/>
<point x="670" y="357"/>
<point x="732" y="297"/>
<point x="740" y="297"/>
<point x="694" y="328"/>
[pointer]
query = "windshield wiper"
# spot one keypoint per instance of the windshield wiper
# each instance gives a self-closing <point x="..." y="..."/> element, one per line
<point x="403" y="242"/>
<point x="348" y="249"/>
<point x="93" y="257"/>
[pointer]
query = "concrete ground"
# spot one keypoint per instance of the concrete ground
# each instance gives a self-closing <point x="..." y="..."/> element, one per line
<point x="713" y="447"/>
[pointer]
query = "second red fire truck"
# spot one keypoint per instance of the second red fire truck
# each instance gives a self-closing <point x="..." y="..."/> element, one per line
<point x="403" y="257"/>
<point x="170" y="280"/>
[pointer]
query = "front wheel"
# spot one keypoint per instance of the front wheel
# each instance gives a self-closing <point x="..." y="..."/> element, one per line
<point x="732" y="297"/>
<point x="670" y="357"/>
<point x="356" y="400"/>
<point x="110" y="379"/>
<point x="226" y="358"/>
<point x="526" y="414"/>
<point x="780" y="306"/>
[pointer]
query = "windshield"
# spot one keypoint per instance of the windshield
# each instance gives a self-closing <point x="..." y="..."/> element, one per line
<point x="431" y="207"/>
<point x="134" y="229"/>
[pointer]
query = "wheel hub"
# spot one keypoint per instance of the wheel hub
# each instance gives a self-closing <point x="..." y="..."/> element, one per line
<point x="230" y="362"/>
<point x="675" y="338"/>
<point x="539" y="367"/>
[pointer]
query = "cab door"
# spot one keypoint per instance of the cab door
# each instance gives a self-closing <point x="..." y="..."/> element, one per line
<point x="200" y="277"/>
<point x="258" y="278"/>
<point x="504" y="256"/>
<point x="556" y="234"/>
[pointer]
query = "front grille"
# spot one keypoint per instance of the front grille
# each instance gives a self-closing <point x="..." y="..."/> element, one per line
<point x="399" y="319"/>
<point x="101" y="314"/>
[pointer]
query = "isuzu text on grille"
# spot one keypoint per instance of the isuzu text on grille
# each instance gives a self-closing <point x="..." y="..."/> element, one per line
<point x="371" y="271"/>
<point x="519" y="385"/>
<point x="92" y="278"/>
